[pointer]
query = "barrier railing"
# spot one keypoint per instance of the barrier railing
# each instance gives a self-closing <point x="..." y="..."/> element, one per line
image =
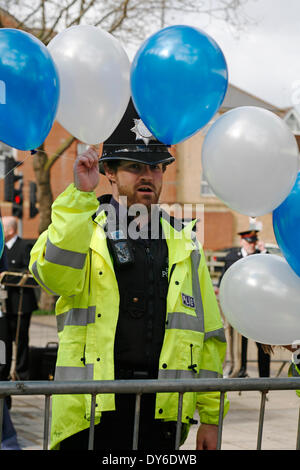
<point x="139" y="387"/>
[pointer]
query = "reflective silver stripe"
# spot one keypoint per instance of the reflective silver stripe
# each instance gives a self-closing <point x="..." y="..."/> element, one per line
<point x="2" y="352"/>
<point x="177" y="374"/>
<point x="188" y="374"/>
<point x="63" y="257"/>
<point x="209" y="374"/>
<point x="76" y="317"/>
<point x="219" y="334"/>
<point x="183" y="321"/>
<point x="195" y="262"/>
<point x="196" y="258"/>
<point x="74" y="373"/>
<point x="37" y="276"/>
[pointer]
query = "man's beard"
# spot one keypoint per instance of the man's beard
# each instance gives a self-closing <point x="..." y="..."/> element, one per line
<point x="146" y="200"/>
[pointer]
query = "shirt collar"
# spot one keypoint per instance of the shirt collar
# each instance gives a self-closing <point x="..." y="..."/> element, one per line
<point x="123" y="219"/>
<point x="10" y="243"/>
<point x="121" y="211"/>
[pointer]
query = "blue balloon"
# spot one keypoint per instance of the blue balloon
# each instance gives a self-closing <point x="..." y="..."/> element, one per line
<point x="286" y="225"/>
<point x="29" y="90"/>
<point x="178" y="82"/>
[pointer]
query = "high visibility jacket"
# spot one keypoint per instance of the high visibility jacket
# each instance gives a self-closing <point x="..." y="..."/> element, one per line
<point x="71" y="259"/>
<point x="294" y="371"/>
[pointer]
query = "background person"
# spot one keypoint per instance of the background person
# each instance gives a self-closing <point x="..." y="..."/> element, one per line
<point x="130" y="307"/>
<point x="9" y="435"/>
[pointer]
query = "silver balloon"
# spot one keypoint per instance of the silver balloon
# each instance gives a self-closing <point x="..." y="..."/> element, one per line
<point x="94" y="73"/>
<point x="250" y="160"/>
<point x="260" y="298"/>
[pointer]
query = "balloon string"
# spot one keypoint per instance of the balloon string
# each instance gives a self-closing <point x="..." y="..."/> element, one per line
<point x="32" y="152"/>
<point x="46" y="153"/>
<point x="18" y="163"/>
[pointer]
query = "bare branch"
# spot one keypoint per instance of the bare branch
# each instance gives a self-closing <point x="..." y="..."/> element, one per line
<point x="52" y="159"/>
<point x="82" y="13"/>
<point x="51" y="30"/>
<point x="23" y="24"/>
<point x="120" y="20"/>
<point x="132" y="20"/>
<point x="43" y="14"/>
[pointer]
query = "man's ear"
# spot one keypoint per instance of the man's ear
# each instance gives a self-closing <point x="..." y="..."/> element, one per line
<point x="109" y="173"/>
<point x="172" y="150"/>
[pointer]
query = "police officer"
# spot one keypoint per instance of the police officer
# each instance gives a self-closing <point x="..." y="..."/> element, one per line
<point x="136" y="300"/>
<point x="249" y="245"/>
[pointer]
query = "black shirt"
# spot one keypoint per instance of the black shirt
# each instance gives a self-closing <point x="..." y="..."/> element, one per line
<point x="143" y="288"/>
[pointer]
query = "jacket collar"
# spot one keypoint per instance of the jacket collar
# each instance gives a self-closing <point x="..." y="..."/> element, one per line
<point x="179" y="235"/>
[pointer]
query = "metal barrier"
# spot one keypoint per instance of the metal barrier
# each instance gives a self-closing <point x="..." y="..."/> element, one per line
<point x="139" y="387"/>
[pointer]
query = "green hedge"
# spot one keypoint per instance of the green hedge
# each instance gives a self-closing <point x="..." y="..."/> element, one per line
<point x="43" y="312"/>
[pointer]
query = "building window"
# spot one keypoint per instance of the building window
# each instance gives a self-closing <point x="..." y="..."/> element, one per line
<point x="206" y="189"/>
<point x="5" y="151"/>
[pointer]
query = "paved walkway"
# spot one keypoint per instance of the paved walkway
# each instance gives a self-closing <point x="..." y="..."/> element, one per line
<point x="240" y="425"/>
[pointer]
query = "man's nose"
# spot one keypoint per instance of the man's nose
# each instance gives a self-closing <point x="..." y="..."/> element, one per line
<point x="146" y="171"/>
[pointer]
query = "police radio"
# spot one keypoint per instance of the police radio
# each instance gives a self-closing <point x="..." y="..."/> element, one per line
<point x="120" y="248"/>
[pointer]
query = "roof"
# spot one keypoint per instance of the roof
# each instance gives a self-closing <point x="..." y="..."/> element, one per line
<point x="292" y="119"/>
<point x="236" y="97"/>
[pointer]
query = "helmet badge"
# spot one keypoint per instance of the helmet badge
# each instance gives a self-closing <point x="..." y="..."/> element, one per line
<point x="141" y="131"/>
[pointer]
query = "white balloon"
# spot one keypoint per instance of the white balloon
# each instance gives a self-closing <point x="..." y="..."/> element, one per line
<point x="260" y="298"/>
<point x="250" y="159"/>
<point x="94" y="72"/>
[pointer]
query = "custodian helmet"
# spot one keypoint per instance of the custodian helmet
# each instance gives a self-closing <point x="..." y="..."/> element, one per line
<point x="133" y="141"/>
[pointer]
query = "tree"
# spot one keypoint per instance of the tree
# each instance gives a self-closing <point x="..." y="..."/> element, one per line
<point x="129" y="20"/>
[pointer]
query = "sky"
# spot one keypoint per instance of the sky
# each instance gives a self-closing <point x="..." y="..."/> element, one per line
<point x="264" y="57"/>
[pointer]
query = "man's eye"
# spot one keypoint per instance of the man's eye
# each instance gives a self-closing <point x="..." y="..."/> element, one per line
<point x="131" y="167"/>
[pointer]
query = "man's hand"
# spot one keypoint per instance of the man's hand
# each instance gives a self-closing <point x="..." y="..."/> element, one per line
<point x="86" y="170"/>
<point x="261" y="246"/>
<point x="207" y="437"/>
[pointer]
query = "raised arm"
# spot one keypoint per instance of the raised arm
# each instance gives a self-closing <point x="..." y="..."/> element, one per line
<point x="59" y="257"/>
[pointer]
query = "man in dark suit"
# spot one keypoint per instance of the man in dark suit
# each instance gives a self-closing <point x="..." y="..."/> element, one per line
<point x="249" y="245"/>
<point x="9" y="436"/>
<point x="17" y="252"/>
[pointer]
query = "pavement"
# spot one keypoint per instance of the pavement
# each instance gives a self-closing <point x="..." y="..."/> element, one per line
<point x="240" y="425"/>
